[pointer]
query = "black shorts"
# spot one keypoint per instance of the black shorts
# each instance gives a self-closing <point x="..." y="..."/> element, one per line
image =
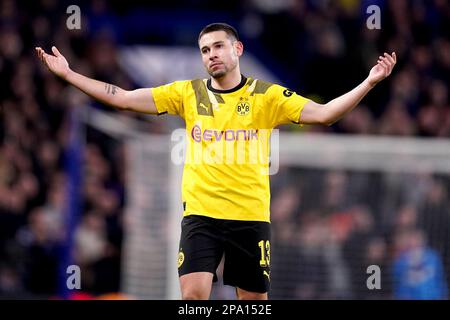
<point x="245" y="244"/>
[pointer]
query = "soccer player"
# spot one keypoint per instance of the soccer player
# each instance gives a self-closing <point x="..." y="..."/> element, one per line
<point x="225" y="203"/>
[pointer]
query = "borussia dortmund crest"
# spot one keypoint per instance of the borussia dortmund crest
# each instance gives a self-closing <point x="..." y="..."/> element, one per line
<point x="180" y="258"/>
<point x="243" y="107"/>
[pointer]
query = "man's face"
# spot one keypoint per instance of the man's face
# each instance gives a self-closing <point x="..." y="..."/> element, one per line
<point x="220" y="53"/>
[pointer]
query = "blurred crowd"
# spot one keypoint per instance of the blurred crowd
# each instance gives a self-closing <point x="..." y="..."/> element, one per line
<point x="323" y="48"/>
<point x="328" y="49"/>
<point x="330" y="226"/>
<point x="35" y="109"/>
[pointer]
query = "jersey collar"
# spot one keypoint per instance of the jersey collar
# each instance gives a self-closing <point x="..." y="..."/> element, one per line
<point x="240" y="85"/>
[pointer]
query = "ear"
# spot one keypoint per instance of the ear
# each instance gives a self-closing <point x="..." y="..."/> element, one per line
<point x="239" y="47"/>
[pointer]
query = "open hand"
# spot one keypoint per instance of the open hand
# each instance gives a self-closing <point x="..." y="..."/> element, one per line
<point x="55" y="63"/>
<point x="382" y="69"/>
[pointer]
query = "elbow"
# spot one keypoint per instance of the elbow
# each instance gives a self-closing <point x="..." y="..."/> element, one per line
<point x="119" y="106"/>
<point x="122" y="107"/>
<point x="121" y="102"/>
<point x="318" y="114"/>
<point x="326" y="120"/>
<point x="322" y="115"/>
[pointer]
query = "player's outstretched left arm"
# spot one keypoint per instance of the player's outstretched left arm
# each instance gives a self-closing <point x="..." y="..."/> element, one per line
<point x="329" y="113"/>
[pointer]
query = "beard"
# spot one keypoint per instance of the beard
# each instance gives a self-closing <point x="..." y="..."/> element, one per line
<point x="220" y="73"/>
<point x="217" y="74"/>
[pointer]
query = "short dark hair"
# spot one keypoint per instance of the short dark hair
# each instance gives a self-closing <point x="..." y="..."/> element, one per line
<point x="219" y="26"/>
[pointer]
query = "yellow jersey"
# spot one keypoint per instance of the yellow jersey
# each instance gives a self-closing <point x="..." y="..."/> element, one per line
<point x="228" y="140"/>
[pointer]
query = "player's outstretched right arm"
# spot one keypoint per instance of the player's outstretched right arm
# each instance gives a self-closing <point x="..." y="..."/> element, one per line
<point x="139" y="100"/>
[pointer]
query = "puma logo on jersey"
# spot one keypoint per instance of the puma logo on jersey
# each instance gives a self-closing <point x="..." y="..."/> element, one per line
<point x="267" y="274"/>
<point x="204" y="110"/>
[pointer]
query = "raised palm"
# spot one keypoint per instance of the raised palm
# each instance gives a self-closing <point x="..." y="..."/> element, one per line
<point x="383" y="68"/>
<point x="55" y="63"/>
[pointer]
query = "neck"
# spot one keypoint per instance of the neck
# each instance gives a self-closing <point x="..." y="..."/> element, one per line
<point x="228" y="81"/>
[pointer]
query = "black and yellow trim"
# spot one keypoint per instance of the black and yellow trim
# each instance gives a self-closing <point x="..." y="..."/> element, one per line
<point x="219" y="98"/>
<point x="204" y="105"/>
<point x="239" y="86"/>
<point x="261" y="87"/>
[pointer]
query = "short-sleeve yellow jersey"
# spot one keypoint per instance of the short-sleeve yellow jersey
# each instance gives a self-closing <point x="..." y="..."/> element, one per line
<point x="228" y="140"/>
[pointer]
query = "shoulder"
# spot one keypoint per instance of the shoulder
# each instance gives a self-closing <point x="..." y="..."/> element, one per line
<point x="196" y="82"/>
<point x="177" y="87"/>
<point x="258" y="86"/>
<point x="269" y="88"/>
<point x="278" y="92"/>
<point x="183" y="83"/>
<point x="175" y="84"/>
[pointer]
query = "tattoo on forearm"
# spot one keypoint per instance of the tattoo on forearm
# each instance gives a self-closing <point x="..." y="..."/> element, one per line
<point x="110" y="89"/>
